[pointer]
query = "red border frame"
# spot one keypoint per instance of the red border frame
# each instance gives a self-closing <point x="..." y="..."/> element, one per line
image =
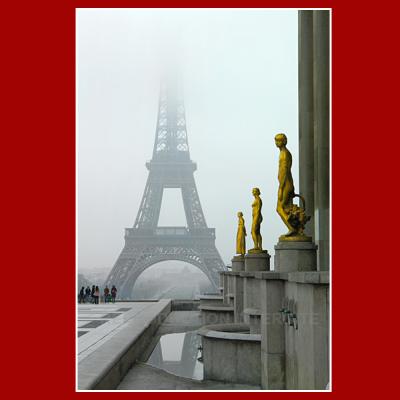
<point x="39" y="165"/>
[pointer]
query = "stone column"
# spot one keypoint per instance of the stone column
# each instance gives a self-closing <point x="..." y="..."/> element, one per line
<point x="321" y="92"/>
<point x="306" y="114"/>
<point x="272" y="335"/>
<point x="225" y="290"/>
<point x="239" y="298"/>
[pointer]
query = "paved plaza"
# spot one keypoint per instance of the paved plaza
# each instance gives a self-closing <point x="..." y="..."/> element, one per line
<point x="97" y="323"/>
<point x="106" y="332"/>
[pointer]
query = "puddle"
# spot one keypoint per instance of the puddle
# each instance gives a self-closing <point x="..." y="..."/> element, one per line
<point x="178" y="353"/>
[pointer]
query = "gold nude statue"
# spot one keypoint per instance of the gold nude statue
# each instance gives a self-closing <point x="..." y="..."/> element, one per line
<point x="241" y="235"/>
<point x="293" y="216"/>
<point x="256" y="224"/>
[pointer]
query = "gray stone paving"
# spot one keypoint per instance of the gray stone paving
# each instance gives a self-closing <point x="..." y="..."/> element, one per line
<point x="97" y="323"/>
<point x="140" y="376"/>
<point x="106" y="352"/>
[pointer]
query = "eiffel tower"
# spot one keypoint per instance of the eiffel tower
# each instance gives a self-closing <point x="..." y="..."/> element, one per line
<point x="170" y="167"/>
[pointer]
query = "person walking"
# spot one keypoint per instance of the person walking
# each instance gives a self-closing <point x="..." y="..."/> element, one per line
<point x="96" y="295"/>
<point x="82" y="295"/>
<point x="113" y="293"/>
<point x="92" y="294"/>
<point x="87" y="294"/>
<point x="106" y="294"/>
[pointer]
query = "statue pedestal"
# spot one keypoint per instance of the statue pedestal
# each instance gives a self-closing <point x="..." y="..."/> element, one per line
<point x="295" y="256"/>
<point x="259" y="261"/>
<point x="237" y="263"/>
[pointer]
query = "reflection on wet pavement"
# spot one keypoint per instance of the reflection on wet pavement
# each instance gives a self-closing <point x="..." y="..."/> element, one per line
<point x="178" y="354"/>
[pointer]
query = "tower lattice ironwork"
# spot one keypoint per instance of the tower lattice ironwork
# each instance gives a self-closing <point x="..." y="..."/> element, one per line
<point x="170" y="167"/>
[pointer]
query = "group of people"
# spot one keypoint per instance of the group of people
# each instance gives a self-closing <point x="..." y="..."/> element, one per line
<point x="93" y="295"/>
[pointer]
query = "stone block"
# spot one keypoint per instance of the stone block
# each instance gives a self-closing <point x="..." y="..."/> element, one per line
<point x="216" y="314"/>
<point x="255" y="324"/>
<point x="307" y="348"/>
<point x="245" y="274"/>
<point x="295" y="256"/>
<point x="249" y="362"/>
<point x="210" y="299"/>
<point x="231" y="355"/>
<point x="324" y="277"/>
<point x="251" y="294"/>
<point x="304" y="277"/>
<point x="272" y="326"/>
<point x="272" y="371"/>
<point x="267" y="275"/>
<point x="238" y="263"/>
<point x="238" y="300"/>
<point x="257" y="262"/>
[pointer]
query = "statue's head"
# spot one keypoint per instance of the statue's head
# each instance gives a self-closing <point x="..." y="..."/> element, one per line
<point x="240" y="214"/>
<point x="256" y="191"/>
<point x="280" y="140"/>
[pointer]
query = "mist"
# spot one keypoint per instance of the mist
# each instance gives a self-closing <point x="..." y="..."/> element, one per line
<point x="239" y="70"/>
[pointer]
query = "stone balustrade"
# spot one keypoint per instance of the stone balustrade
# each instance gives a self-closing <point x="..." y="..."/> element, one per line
<point x="290" y="312"/>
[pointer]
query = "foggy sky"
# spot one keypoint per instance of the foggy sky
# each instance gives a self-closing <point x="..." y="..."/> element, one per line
<point x="239" y="69"/>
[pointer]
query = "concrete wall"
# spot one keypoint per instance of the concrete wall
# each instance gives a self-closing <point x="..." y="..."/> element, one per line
<point x="251" y="293"/>
<point x="272" y="334"/>
<point x="239" y="298"/>
<point x="307" y="348"/>
<point x="294" y="351"/>
<point x="230" y="355"/>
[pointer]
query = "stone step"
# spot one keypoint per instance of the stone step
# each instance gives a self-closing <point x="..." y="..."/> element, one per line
<point x="211" y="299"/>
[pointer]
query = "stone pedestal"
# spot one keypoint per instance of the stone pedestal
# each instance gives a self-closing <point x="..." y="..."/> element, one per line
<point x="257" y="261"/>
<point x="295" y="256"/>
<point x="238" y="263"/>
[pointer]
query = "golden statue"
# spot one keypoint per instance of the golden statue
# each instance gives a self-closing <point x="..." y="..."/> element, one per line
<point x="256" y="224"/>
<point x="241" y="235"/>
<point x="293" y="216"/>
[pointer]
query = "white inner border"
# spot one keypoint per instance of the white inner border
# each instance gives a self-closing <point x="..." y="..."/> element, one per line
<point x="330" y="216"/>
